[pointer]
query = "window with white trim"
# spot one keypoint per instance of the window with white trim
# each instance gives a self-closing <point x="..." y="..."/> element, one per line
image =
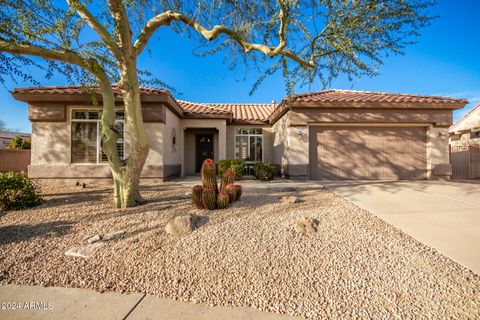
<point x="474" y="134"/>
<point x="86" y="146"/>
<point x="249" y="144"/>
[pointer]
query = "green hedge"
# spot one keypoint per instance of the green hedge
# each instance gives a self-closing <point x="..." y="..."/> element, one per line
<point x="265" y="171"/>
<point x="17" y="192"/>
<point x="237" y="166"/>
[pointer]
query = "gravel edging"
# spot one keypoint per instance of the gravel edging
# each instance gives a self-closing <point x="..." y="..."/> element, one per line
<point x="356" y="265"/>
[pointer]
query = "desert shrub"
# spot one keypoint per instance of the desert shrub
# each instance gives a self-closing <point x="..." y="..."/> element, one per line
<point x="19" y="143"/>
<point x="237" y="166"/>
<point x="276" y="169"/>
<point x="264" y="171"/>
<point x="17" y="192"/>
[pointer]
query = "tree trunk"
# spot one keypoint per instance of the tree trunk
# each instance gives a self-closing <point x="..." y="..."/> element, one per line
<point x="126" y="173"/>
<point x="127" y="179"/>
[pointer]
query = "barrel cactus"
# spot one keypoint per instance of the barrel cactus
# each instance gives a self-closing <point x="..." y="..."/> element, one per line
<point x="232" y="193"/>
<point x="209" y="197"/>
<point x="228" y="177"/>
<point x="223" y="200"/>
<point x="238" y="191"/>
<point x="208" y="174"/>
<point x="197" y="196"/>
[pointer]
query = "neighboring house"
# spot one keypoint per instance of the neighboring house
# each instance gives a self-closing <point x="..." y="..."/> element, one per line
<point x="465" y="146"/>
<point x="7" y="136"/>
<point x="331" y="134"/>
<point x="13" y="160"/>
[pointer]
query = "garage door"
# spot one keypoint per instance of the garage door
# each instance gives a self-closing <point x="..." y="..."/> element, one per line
<point x="368" y="153"/>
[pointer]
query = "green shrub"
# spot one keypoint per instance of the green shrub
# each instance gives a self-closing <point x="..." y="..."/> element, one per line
<point x="17" y="192"/>
<point x="264" y="171"/>
<point x="19" y="143"/>
<point x="237" y="166"/>
<point x="276" y="169"/>
<point x="223" y="165"/>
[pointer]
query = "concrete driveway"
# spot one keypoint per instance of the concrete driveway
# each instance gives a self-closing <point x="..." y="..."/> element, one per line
<point x="443" y="215"/>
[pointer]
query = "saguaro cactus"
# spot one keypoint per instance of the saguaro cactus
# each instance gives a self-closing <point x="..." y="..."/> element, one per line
<point x="197" y="196"/>
<point x="228" y="177"/>
<point x="209" y="197"/>
<point x="223" y="200"/>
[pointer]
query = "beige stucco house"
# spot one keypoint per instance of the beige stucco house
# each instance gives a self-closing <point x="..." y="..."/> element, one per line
<point x="465" y="146"/>
<point x="331" y="134"/>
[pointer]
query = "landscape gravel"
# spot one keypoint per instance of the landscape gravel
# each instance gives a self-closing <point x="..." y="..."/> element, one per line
<point x="354" y="266"/>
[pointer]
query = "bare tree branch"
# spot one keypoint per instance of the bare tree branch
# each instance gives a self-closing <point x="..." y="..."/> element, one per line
<point x="90" y="19"/>
<point x="165" y="18"/>
<point x="62" y="56"/>
<point x="122" y="26"/>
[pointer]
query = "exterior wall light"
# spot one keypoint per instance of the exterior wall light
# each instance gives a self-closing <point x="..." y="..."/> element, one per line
<point x="443" y="135"/>
<point x="299" y="131"/>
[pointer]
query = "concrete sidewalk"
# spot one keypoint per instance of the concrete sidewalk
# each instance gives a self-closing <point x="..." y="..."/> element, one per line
<point x="444" y="215"/>
<point x="33" y="303"/>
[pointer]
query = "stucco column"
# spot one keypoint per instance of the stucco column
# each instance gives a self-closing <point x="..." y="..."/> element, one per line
<point x="182" y="146"/>
<point x="298" y="152"/>
<point x="222" y="140"/>
<point x="438" y="156"/>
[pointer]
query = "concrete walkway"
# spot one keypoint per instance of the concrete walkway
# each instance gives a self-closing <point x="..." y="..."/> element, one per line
<point x="444" y="215"/>
<point x="190" y="181"/>
<point x="33" y="303"/>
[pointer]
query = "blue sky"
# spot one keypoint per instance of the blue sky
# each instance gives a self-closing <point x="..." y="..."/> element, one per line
<point x="445" y="61"/>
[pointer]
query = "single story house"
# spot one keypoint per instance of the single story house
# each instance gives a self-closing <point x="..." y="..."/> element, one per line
<point x="465" y="146"/>
<point x="330" y="134"/>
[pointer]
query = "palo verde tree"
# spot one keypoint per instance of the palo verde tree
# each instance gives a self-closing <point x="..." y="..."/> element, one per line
<point x="98" y="43"/>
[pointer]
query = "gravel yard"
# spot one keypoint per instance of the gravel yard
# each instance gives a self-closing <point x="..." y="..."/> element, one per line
<point x="247" y="255"/>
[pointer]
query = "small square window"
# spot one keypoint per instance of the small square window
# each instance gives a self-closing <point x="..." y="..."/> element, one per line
<point x="475" y="135"/>
<point x="85" y="115"/>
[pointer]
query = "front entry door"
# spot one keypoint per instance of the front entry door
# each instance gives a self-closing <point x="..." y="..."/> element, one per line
<point x="204" y="143"/>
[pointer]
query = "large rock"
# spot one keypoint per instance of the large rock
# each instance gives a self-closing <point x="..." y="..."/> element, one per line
<point x="306" y="225"/>
<point x="94" y="238"/>
<point x="181" y="225"/>
<point x="113" y="235"/>
<point x="290" y="199"/>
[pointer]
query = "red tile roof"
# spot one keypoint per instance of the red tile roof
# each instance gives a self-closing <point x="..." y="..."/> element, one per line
<point x="353" y="96"/>
<point x="74" y="90"/>
<point x="194" y="108"/>
<point x="249" y="112"/>
<point x="368" y="96"/>
<point x="238" y="111"/>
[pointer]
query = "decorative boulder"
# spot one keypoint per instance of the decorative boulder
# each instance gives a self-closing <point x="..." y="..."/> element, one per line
<point x="306" y="225"/>
<point x="290" y="199"/>
<point x="94" y="238"/>
<point x="181" y="225"/>
<point x="113" y="235"/>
